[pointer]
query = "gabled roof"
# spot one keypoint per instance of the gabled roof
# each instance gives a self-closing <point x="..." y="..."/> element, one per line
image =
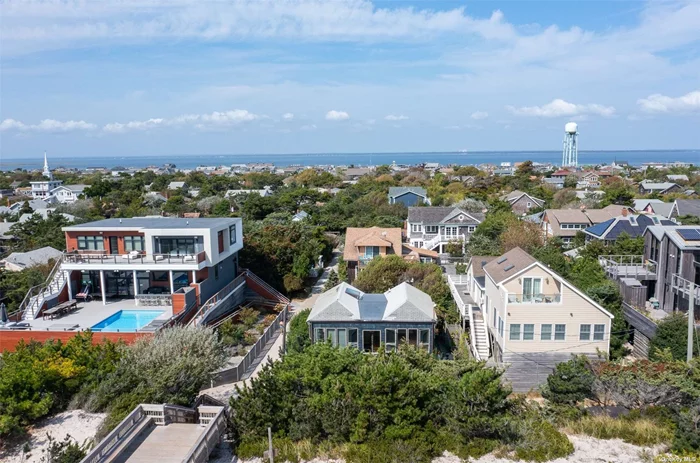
<point x="74" y="188"/>
<point x="673" y="234"/>
<point x="520" y="261"/>
<point x="402" y="303"/>
<point x="477" y="263"/>
<point x="515" y="195"/>
<point x="507" y="265"/>
<point x="657" y="186"/>
<point x="396" y="191"/>
<point x="687" y="207"/>
<point x="640" y="204"/>
<point x="413" y="253"/>
<point x="437" y="215"/>
<point x="35" y="257"/>
<point x="374" y="236"/>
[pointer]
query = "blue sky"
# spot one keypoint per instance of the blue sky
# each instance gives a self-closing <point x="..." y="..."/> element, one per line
<point x="140" y="77"/>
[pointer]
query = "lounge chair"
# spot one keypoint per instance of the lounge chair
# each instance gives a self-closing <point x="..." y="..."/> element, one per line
<point x="131" y="255"/>
<point x="18" y="325"/>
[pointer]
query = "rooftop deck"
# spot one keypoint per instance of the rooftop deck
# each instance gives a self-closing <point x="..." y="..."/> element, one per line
<point x="89" y="314"/>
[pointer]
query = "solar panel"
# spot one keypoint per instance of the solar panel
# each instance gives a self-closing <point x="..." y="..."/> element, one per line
<point x="509" y="267"/>
<point x="689" y="234"/>
<point x="501" y="260"/>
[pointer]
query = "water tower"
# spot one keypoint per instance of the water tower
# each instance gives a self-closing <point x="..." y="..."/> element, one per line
<point x="570" y="156"/>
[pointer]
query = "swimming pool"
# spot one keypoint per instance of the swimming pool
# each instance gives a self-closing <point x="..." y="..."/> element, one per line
<point x="127" y="320"/>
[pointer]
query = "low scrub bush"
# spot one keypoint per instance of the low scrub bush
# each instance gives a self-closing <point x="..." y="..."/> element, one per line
<point x="540" y="441"/>
<point x="637" y="431"/>
<point x="570" y="382"/>
<point x="170" y="367"/>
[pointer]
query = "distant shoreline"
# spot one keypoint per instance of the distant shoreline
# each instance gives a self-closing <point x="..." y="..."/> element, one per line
<point x="185" y="161"/>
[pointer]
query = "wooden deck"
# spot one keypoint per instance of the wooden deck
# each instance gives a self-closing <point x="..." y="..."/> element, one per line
<point x="163" y="444"/>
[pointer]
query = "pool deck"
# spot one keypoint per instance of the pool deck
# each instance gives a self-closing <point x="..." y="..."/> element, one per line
<point x="91" y="313"/>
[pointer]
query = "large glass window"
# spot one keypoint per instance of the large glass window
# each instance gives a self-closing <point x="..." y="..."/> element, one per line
<point x="514" y="332"/>
<point x="585" y="333"/>
<point x="133" y="243"/>
<point x="352" y="337"/>
<point x="532" y="287"/>
<point x="180" y="280"/>
<point x="319" y="336"/>
<point x="559" y="332"/>
<point x="390" y="340"/>
<point x="413" y="337"/>
<point x="598" y="332"/>
<point x="425" y="339"/>
<point x="342" y="338"/>
<point x="528" y="332"/>
<point x="330" y="334"/>
<point x="91" y="243"/>
<point x="546" y="332"/>
<point x="177" y="246"/>
<point x="370" y="340"/>
<point x="401" y="336"/>
<point x="431" y="229"/>
<point x="232" y="234"/>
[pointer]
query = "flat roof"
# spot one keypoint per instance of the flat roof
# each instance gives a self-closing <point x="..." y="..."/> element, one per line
<point x="156" y="223"/>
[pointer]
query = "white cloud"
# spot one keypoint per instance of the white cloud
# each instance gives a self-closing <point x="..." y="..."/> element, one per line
<point x="47" y="23"/>
<point x="334" y="115"/>
<point x="664" y="104"/>
<point x="46" y="125"/>
<point x="392" y="117"/>
<point x="287" y="116"/>
<point x="308" y="128"/>
<point x="478" y="115"/>
<point x="213" y="120"/>
<point x="560" y="108"/>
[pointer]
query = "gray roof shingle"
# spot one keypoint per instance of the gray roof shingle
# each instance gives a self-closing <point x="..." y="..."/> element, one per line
<point x="437" y="214"/>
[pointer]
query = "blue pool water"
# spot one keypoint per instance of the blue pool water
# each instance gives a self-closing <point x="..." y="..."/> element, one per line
<point x="127" y="320"/>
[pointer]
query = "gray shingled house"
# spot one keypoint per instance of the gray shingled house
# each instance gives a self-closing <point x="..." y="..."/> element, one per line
<point x="347" y="317"/>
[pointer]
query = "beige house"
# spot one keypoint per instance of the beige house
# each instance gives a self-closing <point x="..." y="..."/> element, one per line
<point x="535" y="318"/>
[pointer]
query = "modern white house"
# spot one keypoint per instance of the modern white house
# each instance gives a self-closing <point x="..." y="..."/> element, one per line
<point x="433" y="228"/>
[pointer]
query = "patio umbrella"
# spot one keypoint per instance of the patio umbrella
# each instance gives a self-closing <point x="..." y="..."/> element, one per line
<point x="3" y="314"/>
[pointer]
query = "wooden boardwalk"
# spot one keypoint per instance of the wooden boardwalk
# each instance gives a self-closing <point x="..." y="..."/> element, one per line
<point x="163" y="444"/>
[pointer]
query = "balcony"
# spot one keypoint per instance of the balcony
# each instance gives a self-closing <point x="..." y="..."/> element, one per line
<point x="133" y="258"/>
<point x="636" y="267"/>
<point x="534" y="298"/>
<point x="683" y="286"/>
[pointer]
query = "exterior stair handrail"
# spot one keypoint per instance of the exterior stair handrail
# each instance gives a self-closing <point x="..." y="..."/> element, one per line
<point x="38" y="289"/>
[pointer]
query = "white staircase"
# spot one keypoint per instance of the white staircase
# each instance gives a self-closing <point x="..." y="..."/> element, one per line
<point x="481" y="340"/>
<point x="432" y="243"/>
<point x="38" y="295"/>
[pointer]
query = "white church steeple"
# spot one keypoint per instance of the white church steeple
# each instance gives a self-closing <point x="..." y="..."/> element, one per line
<point x="47" y="172"/>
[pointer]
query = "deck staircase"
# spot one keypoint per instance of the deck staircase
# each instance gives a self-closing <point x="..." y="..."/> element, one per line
<point x="481" y="340"/>
<point x="38" y="295"/>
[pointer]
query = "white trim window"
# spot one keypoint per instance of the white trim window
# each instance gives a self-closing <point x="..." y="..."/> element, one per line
<point x="514" y="329"/>
<point x="598" y="332"/>
<point x="528" y="332"/>
<point x="584" y="332"/>
<point x="352" y="337"/>
<point x="560" y="332"/>
<point x="431" y="229"/>
<point x="416" y="227"/>
<point x="451" y="231"/>
<point x="546" y="332"/>
<point x="471" y="228"/>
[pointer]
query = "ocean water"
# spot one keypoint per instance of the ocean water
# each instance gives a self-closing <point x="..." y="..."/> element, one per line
<point x="281" y="160"/>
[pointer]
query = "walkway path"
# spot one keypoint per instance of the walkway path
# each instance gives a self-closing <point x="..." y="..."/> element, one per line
<point x="273" y="349"/>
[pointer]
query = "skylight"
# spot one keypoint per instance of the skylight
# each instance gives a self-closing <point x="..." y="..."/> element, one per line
<point x="509" y="267"/>
<point x="501" y="260"/>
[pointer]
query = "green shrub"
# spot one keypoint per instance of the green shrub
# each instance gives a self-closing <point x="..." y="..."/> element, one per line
<point x="66" y="451"/>
<point x="332" y="280"/>
<point x="687" y="433"/>
<point x="249" y="317"/>
<point x="460" y="268"/>
<point x="570" y="382"/>
<point x="672" y="334"/>
<point x="542" y="442"/>
<point x="298" y="337"/>
<point x="231" y="334"/>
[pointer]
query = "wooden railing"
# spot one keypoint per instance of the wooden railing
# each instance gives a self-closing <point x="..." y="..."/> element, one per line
<point x="114" y="438"/>
<point x="516" y="298"/>
<point x="235" y="374"/>
<point x="215" y="420"/>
